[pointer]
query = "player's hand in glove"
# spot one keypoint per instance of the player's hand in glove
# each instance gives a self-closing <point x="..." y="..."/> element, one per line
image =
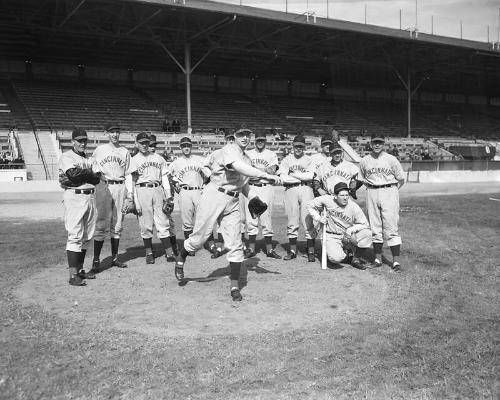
<point x="256" y="207"/>
<point x="129" y="207"/>
<point x="168" y="206"/>
<point x="347" y="242"/>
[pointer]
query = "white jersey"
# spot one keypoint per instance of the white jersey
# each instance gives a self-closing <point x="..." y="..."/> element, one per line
<point x="113" y="162"/>
<point x="223" y="175"/>
<point x="262" y="160"/>
<point x="339" y="218"/>
<point x="70" y="159"/>
<point x="318" y="159"/>
<point x="383" y="170"/>
<point x="330" y="175"/>
<point x="150" y="168"/>
<point x="291" y="164"/>
<point x="187" y="170"/>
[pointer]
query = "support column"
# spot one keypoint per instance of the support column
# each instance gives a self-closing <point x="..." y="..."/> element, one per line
<point x="187" y="68"/>
<point x="408" y="90"/>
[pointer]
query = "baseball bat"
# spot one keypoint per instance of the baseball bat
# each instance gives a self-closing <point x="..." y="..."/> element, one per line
<point x="323" y="248"/>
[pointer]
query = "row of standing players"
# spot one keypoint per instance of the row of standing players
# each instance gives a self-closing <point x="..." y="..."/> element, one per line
<point x="234" y="175"/>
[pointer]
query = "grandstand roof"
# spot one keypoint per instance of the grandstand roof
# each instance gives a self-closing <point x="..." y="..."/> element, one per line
<point x="241" y="41"/>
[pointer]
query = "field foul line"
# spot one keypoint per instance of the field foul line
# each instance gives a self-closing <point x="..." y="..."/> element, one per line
<point x="492" y="198"/>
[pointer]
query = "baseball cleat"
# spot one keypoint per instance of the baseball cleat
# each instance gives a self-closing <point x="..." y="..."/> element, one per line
<point x="150" y="258"/>
<point x="236" y="294"/>
<point x="117" y="263"/>
<point x="376" y="264"/>
<point x="86" y="275"/>
<point x="96" y="266"/>
<point x="76" y="280"/>
<point x="272" y="254"/>
<point x="179" y="270"/>
<point x="358" y="264"/>
<point x="311" y="257"/>
<point x="170" y="257"/>
<point x="396" y="267"/>
<point x="290" y="255"/>
<point x="250" y="253"/>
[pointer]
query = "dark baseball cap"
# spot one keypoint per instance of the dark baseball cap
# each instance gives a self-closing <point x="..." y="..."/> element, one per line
<point x="326" y="140"/>
<point x="111" y="127"/>
<point x="260" y="135"/>
<point x="299" y="140"/>
<point x="152" y="140"/>
<point x="377" y="138"/>
<point x="244" y="131"/>
<point x="335" y="147"/>
<point x="79" y="133"/>
<point x="142" y="137"/>
<point x="339" y="187"/>
<point x="185" y="140"/>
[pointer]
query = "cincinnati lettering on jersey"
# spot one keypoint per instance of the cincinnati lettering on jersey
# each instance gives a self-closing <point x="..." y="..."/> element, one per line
<point x="260" y="163"/>
<point x="341" y="216"/>
<point x="186" y="169"/>
<point x="148" y="164"/>
<point x="299" y="168"/>
<point x="337" y="172"/>
<point x="378" y="170"/>
<point x="112" y="159"/>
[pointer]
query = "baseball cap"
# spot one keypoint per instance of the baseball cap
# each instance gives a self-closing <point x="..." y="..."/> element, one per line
<point x="326" y="140"/>
<point x="152" y="140"/>
<point x="79" y="133"/>
<point x="339" y="187"/>
<point x="260" y="135"/>
<point x="377" y="138"/>
<point x="142" y="137"/>
<point x="335" y="147"/>
<point x="185" y="140"/>
<point x="243" y="131"/>
<point x="109" y="127"/>
<point x="299" y="140"/>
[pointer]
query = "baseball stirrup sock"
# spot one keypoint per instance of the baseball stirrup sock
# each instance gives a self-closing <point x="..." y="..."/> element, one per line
<point x="114" y="247"/>
<point x="268" y="241"/>
<point x="97" y="248"/>
<point x="148" y="245"/>
<point x="166" y="245"/>
<point x="310" y="245"/>
<point x="81" y="259"/>
<point x="395" y="250"/>
<point x="235" y="272"/>
<point x="73" y="261"/>
<point x="377" y="248"/>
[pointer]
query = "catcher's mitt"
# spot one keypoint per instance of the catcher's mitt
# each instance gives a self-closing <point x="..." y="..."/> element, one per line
<point x="256" y="207"/>
<point x="65" y="182"/>
<point x="347" y="241"/>
<point x="168" y="206"/>
<point x="129" y="207"/>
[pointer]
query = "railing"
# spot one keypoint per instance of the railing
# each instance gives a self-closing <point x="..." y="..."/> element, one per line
<point x="41" y="155"/>
<point x="475" y="165"/>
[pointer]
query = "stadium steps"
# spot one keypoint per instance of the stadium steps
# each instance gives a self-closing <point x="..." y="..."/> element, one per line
<point x="17" y="117"/>
<point x="50" y="150"/>
<point x="29" y="147"/>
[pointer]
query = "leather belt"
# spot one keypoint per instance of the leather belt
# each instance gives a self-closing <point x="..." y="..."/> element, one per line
<point x="228" y="192"/>
<point x="380" y="186"/>
<point x="84" y="191"/>
<point x="291" y="185"/>
<point x="111" y="182"/>
<point x="190" y="188"/>
<point x="259" y="184"/>
<point x="149" y="185"/>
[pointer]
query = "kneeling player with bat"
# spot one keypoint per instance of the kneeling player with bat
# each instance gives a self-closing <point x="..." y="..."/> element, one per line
<point x="346" y="226"/>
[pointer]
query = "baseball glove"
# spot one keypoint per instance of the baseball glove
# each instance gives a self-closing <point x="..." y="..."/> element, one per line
<point x="347" y="241"/>
<point x="168" y="206"/>
<point x="256" y="207"/>
<point x="129" y="207"/>
<point x="65" y="182"/>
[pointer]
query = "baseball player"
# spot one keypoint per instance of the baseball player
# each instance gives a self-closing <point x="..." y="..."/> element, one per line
<point x="335" y="171"/>
<point x="153" y="143"/>
<point x="346" y="225"/>
<point x="219" y="202"/>
<point x="188" y="181"/>
<point x="383" y="176"/>
<point x="78" y="181"/>
<point x="113" y="161"/>
<point x="297" y="175"/>
<point x="267" y="161"/>
<point x="151" y="187"/>
<point x="321" y="157"/>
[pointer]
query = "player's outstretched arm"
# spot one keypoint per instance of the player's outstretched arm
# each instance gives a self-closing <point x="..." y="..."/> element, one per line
<point x="247" y="170"/>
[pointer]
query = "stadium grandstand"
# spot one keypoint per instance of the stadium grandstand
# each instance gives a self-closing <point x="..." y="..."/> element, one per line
<point x="213" y="66"/>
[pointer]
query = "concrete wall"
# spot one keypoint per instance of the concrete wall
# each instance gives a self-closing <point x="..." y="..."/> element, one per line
<point x="30" y="187"/>
<point x="11" y="175"/>
<point x="453" y="176"/>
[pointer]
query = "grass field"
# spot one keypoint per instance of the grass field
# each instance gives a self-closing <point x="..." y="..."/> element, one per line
<point x="431" y="332"/>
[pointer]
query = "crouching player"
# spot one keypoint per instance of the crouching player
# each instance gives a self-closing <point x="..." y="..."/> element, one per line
<point x="346" y="226"/>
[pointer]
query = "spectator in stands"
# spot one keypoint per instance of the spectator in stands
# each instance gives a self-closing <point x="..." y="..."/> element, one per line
<point x="166" y="125"/>
<point x="335" y="135"/>
<point x="426" y="156"/>
<point x="176" y="125"/>
<point x="394" y="151"/>
<point x="368" y="146"/>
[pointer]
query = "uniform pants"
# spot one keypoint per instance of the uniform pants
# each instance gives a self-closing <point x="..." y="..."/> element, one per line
<point x="296" y="199"/>
<point x="80" y="215"/>
<point x="188" y="203"/>
<point x="266" y="194"/>
<point x="215" y="206"/>
<point x="334" y="249"/>
<point x="243" y="216"/>
<point x="383" y="213"/>
<point x="151" y="202"/>
<point x="109" y="201"/>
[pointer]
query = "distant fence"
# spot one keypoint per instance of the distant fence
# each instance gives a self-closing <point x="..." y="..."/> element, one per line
<point x="478" y="165"/>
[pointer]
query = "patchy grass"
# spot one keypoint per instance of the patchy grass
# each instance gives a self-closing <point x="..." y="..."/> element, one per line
<point x="435" y="337"/>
